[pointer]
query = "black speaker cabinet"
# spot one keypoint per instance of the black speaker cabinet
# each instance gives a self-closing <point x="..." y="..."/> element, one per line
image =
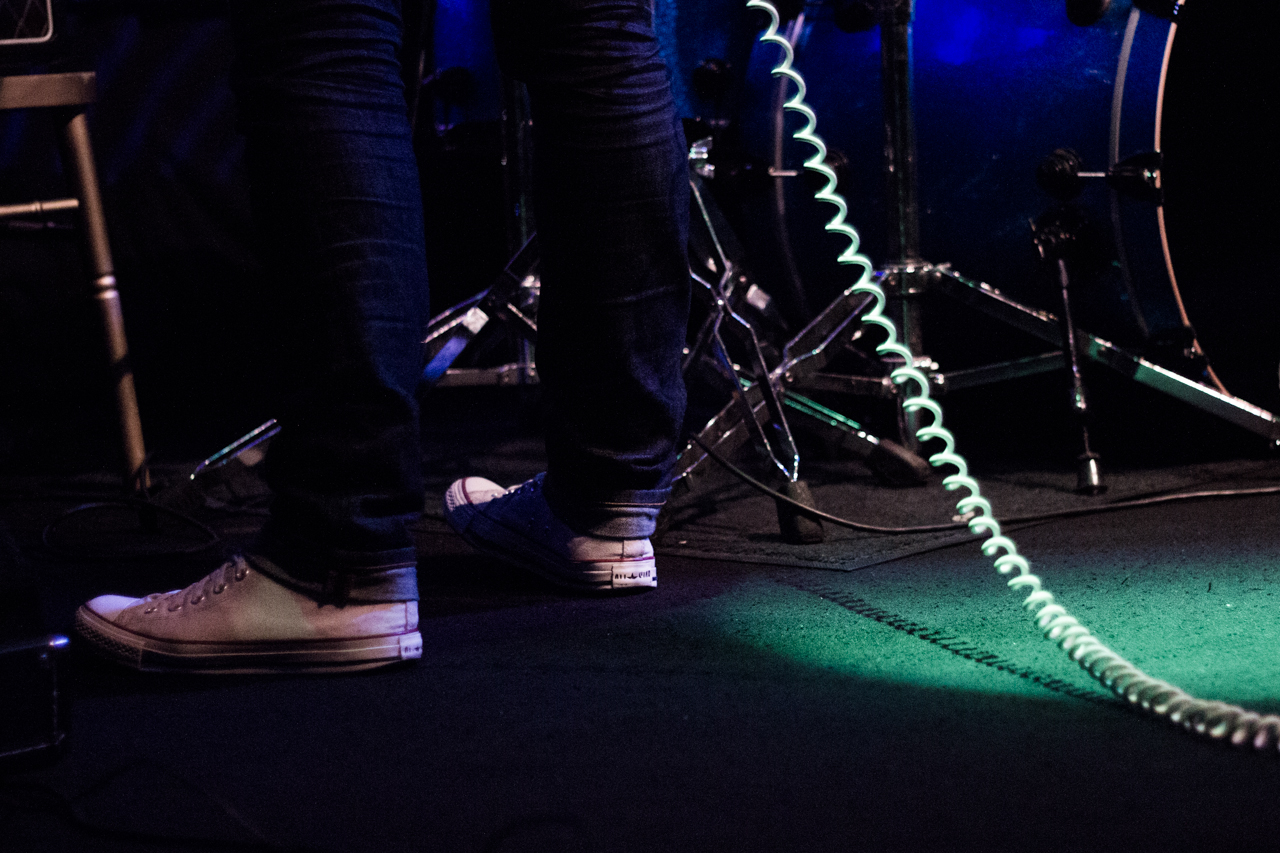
<point x="32" y="717"/>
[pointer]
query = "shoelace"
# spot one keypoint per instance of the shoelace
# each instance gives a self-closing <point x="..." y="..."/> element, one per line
<point x="215" y="583"/>
<point x="527" y="486"/>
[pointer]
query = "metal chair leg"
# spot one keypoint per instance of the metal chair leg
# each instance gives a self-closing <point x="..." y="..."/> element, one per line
<point x="97" y="251"/>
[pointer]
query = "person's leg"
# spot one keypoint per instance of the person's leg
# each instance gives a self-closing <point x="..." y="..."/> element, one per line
<point x="611" y="204"/>
<point x="331" y="583"/>
<point x="338" y="209"/>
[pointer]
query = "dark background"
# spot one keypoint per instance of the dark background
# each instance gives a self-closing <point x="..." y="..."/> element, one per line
<point x="997" y="87"/>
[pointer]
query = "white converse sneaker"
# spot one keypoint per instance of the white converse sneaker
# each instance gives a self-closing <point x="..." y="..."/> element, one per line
<point x="238" y="620"/>
<point x="516" y="526"/>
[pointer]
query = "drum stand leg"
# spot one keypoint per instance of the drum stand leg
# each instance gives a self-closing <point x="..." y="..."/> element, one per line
<point x="755" y="409"/>
<point x="907" y="278"/>
<point x="799" y="370"/>
<point x="512" y="300"/>
<point x="1088" y="470"/>
<point x="762" y="397"/>
<point x="737" y="309"/>
<point x="1055" y="237"/>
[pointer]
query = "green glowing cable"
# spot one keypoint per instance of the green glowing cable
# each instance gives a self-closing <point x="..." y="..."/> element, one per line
<point x="1217" y="720"/>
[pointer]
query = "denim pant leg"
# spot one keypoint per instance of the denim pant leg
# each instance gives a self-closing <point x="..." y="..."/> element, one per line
<point x="611" y="203"/>
<point x="337" y="205"/>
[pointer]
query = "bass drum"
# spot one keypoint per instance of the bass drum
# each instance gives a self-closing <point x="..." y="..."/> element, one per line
<point x="1216" y="132"/>
<point x="998" y="85"/>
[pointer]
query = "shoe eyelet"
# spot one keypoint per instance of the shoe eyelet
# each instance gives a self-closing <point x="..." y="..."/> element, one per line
<point x="219" y="589"/>
<point x="241" y="572"/>
<point x="173" y="608"/>
<point x="150" y="610"/>
<point x="199" y="598"/>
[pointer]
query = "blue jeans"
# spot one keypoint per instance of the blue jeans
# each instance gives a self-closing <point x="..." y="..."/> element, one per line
<point x="337" y="203"/>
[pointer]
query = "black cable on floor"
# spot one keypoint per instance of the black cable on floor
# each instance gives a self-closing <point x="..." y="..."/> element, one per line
<point x="960" y="525"/>
<point x="148" y="513"/>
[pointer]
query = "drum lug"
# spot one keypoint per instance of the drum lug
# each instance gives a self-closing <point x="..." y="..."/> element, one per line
<point x="1167" y="9"/>
<point x="1138" y="177"/>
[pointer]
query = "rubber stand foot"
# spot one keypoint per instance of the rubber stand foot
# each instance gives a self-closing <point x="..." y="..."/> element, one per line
<point x="896" y="465"/>
<point x="797" y="527"/>
<point x="1089" y="475"/>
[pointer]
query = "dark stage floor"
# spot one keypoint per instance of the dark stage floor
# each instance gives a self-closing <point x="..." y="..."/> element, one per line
<point x="868" y="693"/>
<point x="765" y="697"/>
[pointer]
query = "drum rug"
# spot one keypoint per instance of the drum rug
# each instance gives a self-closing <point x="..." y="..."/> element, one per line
<point x="735" y="523"/>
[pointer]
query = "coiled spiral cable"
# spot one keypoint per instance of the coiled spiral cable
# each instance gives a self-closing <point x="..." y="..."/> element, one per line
<point x="1216" y="720"/>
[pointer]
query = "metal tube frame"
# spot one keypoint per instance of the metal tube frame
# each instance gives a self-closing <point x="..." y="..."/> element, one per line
<point x="69" y="94"/>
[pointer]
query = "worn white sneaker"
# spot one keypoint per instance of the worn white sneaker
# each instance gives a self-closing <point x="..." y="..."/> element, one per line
<point x="517" y="526"/>
<point x="238" y="620"/>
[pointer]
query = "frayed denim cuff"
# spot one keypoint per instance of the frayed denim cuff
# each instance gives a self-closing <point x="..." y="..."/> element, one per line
<point x="339" y="577"/>
<point x="624" y="515"/>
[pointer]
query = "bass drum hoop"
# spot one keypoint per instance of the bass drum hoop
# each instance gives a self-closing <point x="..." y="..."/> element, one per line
<point x="1193" y="269"/>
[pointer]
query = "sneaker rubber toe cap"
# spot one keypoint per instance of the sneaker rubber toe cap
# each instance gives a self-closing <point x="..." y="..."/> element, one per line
<point x="471" y="491"/>
<point x="465" y="498"/>
<point x="108" y="607"/>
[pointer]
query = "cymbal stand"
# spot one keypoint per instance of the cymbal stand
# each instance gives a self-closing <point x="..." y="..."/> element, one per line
<point x="754" y="412"/>
<point x="740" y="321"/>
<point x="512" y="301"/>
<point x="761" y="395"/>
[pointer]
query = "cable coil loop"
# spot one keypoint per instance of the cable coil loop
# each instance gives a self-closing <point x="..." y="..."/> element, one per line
<point x="1215" y="720"/>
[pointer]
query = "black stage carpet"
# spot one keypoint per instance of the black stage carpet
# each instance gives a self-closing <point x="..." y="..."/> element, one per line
<point x="867" y="693"/>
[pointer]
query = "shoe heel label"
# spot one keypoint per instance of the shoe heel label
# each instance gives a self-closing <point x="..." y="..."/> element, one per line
<point x="624" y="575"/>
<point x="411" y="646"/>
